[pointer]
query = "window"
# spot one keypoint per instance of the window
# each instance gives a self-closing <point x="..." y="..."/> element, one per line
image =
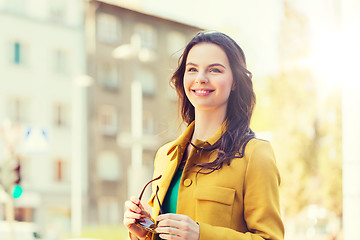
<point x="61" y="62"/>
<point x="59" y="171"/>
<point x="61" y="112"/>
<point x="18" y="53"/>
<point x="175" y="44"/>
<point x="18" y="109"/>
<point x="108" y="76"/>
<point x="109" y="210"/>
<point x="108" y="166"/>
<point x="108" y="120"/>
<point x="147" y="80"/>
<point x="108" y="28"/>
<point x="147" y="35"/>
<point x="57" y="10"/>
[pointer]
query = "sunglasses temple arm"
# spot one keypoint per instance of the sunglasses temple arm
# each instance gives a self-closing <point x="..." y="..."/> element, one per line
<point x="142" y="192"/>
<point x="157" y="197"/>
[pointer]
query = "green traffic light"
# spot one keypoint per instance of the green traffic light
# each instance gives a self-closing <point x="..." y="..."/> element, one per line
<point x="17" y="191"/>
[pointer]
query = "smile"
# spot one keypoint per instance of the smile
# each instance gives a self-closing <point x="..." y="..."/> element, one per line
<point x="202" y="92"/>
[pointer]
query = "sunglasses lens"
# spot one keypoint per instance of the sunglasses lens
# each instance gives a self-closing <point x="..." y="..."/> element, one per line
<point x="147" y="224"/>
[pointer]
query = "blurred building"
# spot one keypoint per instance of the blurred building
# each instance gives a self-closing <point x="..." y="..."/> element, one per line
<point x="42" y="46"/>
<point x="125" y="45"/>
<point x="47" y="47"/>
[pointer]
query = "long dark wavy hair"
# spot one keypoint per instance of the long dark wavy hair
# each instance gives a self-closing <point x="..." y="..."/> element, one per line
<point x="240" y="106"/>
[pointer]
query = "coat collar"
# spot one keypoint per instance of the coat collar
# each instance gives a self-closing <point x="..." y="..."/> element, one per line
<point x="176" y="150"/>
<point x="182" y="141"/>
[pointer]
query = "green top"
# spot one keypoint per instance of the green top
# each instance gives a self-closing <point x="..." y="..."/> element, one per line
<point x="170" y="201"/>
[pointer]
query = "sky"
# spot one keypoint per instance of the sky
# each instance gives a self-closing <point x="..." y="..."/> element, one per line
<point x="253" y="24"/>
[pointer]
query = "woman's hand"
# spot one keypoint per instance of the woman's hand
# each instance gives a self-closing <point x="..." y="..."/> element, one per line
<point x="134" y="212"/>
<point x="177" y="226"/>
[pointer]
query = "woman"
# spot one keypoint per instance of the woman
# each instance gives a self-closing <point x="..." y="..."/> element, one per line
<point x="217" y="180"/>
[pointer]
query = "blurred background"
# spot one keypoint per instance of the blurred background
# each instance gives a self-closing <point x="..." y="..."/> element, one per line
<point x="85" y="103"/>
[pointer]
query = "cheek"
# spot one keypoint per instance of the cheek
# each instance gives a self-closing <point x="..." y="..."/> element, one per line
<point x="226" y="86"/>
<point x="186" y="84"/>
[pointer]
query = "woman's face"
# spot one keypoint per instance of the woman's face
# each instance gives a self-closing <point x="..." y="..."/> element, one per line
<point x="208" y="78"/>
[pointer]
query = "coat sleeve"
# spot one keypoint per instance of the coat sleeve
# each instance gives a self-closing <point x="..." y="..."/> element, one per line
<point x="150" y="235"/>
<point x="261" y="200"/>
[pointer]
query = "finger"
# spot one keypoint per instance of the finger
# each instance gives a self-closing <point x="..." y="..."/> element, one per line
<point x="174" y="220"/>
<point x="132" y="207"/>
<point x="137" y="202"/>
<point x="128" y="222"/>
<point x="169" y="230"/>
<point x="168" y="223"/>
<point x="162" y="217"/>
<point x="177" y="217"/>
<point x="170" y="236"/>
<point x="132" y="215"/>
<point x="131" y="224"/>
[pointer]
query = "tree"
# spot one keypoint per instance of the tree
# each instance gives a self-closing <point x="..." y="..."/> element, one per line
<point x="306" y="130"/>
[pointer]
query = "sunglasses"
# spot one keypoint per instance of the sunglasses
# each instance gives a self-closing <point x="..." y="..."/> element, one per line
<point x="146" y="221"/>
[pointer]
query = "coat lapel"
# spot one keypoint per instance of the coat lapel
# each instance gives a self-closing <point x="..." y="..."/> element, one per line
<point x="170" y="162"/>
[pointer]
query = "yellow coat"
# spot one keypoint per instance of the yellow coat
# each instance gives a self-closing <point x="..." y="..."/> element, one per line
<point x="240" y="201"/>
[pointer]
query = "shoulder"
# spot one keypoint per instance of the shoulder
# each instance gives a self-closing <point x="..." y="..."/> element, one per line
<point x="260" y="158"/>
<point x="258" y="148"/>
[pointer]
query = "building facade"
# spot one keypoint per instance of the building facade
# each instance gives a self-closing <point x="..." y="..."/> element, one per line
<point x="42" y="53"/>
<point x="127" y="46"/>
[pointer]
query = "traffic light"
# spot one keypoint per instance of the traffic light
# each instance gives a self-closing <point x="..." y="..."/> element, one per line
<point x="17" y="189"/>
<point x="10" y="177"/>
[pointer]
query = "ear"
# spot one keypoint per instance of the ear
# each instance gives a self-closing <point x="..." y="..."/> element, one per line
<point x="233" y="87"/>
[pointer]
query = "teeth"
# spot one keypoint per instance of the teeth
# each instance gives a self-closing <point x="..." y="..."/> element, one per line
<point x="201" y="91"/>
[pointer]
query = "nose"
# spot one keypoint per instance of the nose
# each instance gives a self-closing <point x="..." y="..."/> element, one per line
<point x="201" y="78"/>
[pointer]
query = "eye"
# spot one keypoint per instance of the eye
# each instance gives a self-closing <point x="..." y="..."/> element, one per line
<point x="215" y="70"/>
<point x="191" y="69"/>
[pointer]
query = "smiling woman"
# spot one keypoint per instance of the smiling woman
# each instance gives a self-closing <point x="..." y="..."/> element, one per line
<point x="218" y="181"/>
<point x="208" y="78"/>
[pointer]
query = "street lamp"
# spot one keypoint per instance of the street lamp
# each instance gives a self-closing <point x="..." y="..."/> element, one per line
<point x="79" y="152"/>
<point x="133" y="50"/>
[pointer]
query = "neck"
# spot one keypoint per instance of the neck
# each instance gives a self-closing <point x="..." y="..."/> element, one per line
<point x="206" y="124"/>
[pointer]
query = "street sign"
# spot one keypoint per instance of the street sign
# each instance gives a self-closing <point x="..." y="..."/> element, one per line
<point x="36" y="141"/>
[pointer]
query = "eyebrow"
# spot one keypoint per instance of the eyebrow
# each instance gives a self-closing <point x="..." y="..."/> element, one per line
<point x="211" y="65"/>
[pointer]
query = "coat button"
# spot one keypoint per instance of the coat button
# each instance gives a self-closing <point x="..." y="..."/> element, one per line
<point x="187" y="182"/>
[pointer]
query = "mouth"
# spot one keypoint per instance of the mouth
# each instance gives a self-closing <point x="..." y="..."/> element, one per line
<point x="202" y="92"/>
